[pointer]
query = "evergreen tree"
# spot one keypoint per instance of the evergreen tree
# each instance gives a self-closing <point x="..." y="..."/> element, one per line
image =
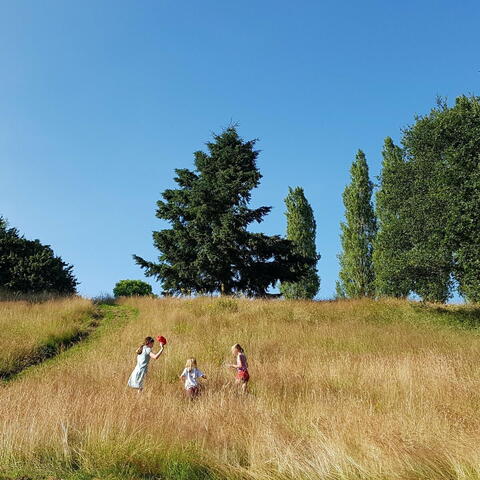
<point x="208" y="247"/>
<point x="392" y="242"/>
<point x="27" y="266"/>
<point x="356" y="277"/>
<point x="301" y="230"/>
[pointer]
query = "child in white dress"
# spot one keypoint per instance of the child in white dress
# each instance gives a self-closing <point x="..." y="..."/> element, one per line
<point x="144" y="354"/>
<point x="190" y="375"/>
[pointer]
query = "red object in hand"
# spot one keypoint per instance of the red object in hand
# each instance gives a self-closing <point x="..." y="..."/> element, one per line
<point x="162" y="340"/>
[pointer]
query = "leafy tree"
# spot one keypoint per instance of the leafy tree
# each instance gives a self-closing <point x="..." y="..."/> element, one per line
<point x="27" y="266"/>
<point x="393" y="239"/>
<point x="301" y="230"/>
<point x="442" y="151"/>
<point x="129" y="288"/>
<point x="356" y="277"/>
<point x="208" y="247"/>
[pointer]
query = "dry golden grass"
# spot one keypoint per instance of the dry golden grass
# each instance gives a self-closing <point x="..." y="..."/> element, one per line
<point x="29" y="331"/>
<point x="340" y="390"/>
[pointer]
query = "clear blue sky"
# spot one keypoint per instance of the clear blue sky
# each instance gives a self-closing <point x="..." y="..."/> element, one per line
<point x="101" y="100"/>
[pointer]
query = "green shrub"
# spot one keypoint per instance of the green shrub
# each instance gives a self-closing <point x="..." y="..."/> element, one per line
<point x="129" y="288"/>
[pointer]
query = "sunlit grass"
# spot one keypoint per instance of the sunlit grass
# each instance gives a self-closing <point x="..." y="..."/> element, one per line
<point x="31" y="332"/>
<point x="339" y="390"/>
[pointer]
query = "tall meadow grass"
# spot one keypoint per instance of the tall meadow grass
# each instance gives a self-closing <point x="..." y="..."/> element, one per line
<point x="30" y="331"/>
<point x="339" y="390"/>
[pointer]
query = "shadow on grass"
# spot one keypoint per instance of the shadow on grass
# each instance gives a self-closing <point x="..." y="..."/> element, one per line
<point x="53" y="346"/>
<point x="174" y="470"/>
<point x="464" y="316"/>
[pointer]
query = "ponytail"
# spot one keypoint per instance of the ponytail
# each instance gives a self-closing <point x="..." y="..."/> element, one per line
<point x="145" y="342"/>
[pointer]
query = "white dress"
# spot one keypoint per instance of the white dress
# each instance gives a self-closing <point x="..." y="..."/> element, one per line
<point x="138" y="375"/>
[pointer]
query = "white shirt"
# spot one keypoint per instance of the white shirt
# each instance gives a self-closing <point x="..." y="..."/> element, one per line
<point x="191" y="377"/>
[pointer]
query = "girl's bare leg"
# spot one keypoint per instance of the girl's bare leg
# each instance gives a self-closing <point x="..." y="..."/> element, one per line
<point x="241" y="386"/>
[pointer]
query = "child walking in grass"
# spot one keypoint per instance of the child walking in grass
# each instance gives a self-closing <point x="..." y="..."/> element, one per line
<point x="190" y="376"/>
<point x="241" y="365"/>
<point x="144" y="354"/>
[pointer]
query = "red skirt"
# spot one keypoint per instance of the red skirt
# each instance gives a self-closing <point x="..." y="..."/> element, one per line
<point x="243" y="375"/>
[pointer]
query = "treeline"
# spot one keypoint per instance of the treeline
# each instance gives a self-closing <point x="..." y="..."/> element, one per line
<point x="417" y="232"/>
<point x="423" y="235"/>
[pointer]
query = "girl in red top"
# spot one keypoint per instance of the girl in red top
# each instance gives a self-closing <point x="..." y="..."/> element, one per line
<point x="242" y="377"/>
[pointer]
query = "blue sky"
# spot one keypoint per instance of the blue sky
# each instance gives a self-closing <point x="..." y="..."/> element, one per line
<point x="101" y="100"/>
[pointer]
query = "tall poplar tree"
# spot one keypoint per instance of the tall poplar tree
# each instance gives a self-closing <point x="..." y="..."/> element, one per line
<point x="301" y="230"/>
<point x="356" y="277"/>
<point x="393" y="239"/>
<point x="208" y="248"/>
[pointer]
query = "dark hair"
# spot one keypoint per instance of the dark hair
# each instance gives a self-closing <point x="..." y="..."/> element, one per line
<point x="145" y="342"/>
<point x="238" y="347"/>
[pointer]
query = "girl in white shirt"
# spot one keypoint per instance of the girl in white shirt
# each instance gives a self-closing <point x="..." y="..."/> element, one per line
<point x="190" y="376"/>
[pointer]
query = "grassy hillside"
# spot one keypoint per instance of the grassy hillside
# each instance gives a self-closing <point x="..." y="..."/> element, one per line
<point x="339" y="390"/>
<point x="31" y="332"/>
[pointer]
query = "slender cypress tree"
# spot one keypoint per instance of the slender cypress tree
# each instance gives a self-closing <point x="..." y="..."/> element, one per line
<point x="301" y="230"/>
<point x="356" y="277"/>
<point x="392" y="242"/>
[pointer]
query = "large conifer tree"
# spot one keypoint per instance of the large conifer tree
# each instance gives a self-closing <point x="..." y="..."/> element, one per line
<point x="301" y="230"/>
<point x="208" y="247"/>
<point x="392" y="242"/>
<point x="356" y="277"/>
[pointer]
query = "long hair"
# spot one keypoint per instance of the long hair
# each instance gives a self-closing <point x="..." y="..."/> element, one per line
<point x="191" y="364"/>
<point x="145" y="342"/>
<point x="238" y="347"/>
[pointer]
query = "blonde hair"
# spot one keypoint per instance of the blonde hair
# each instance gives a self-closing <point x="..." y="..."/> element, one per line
<point x="191" y="364"/>
<point x="145" y="342"/>
<point x="238" y="347"/>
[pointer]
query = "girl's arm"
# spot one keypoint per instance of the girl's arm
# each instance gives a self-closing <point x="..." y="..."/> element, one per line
<point x="156" y="355"/>
<point x="236" y="365"/>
